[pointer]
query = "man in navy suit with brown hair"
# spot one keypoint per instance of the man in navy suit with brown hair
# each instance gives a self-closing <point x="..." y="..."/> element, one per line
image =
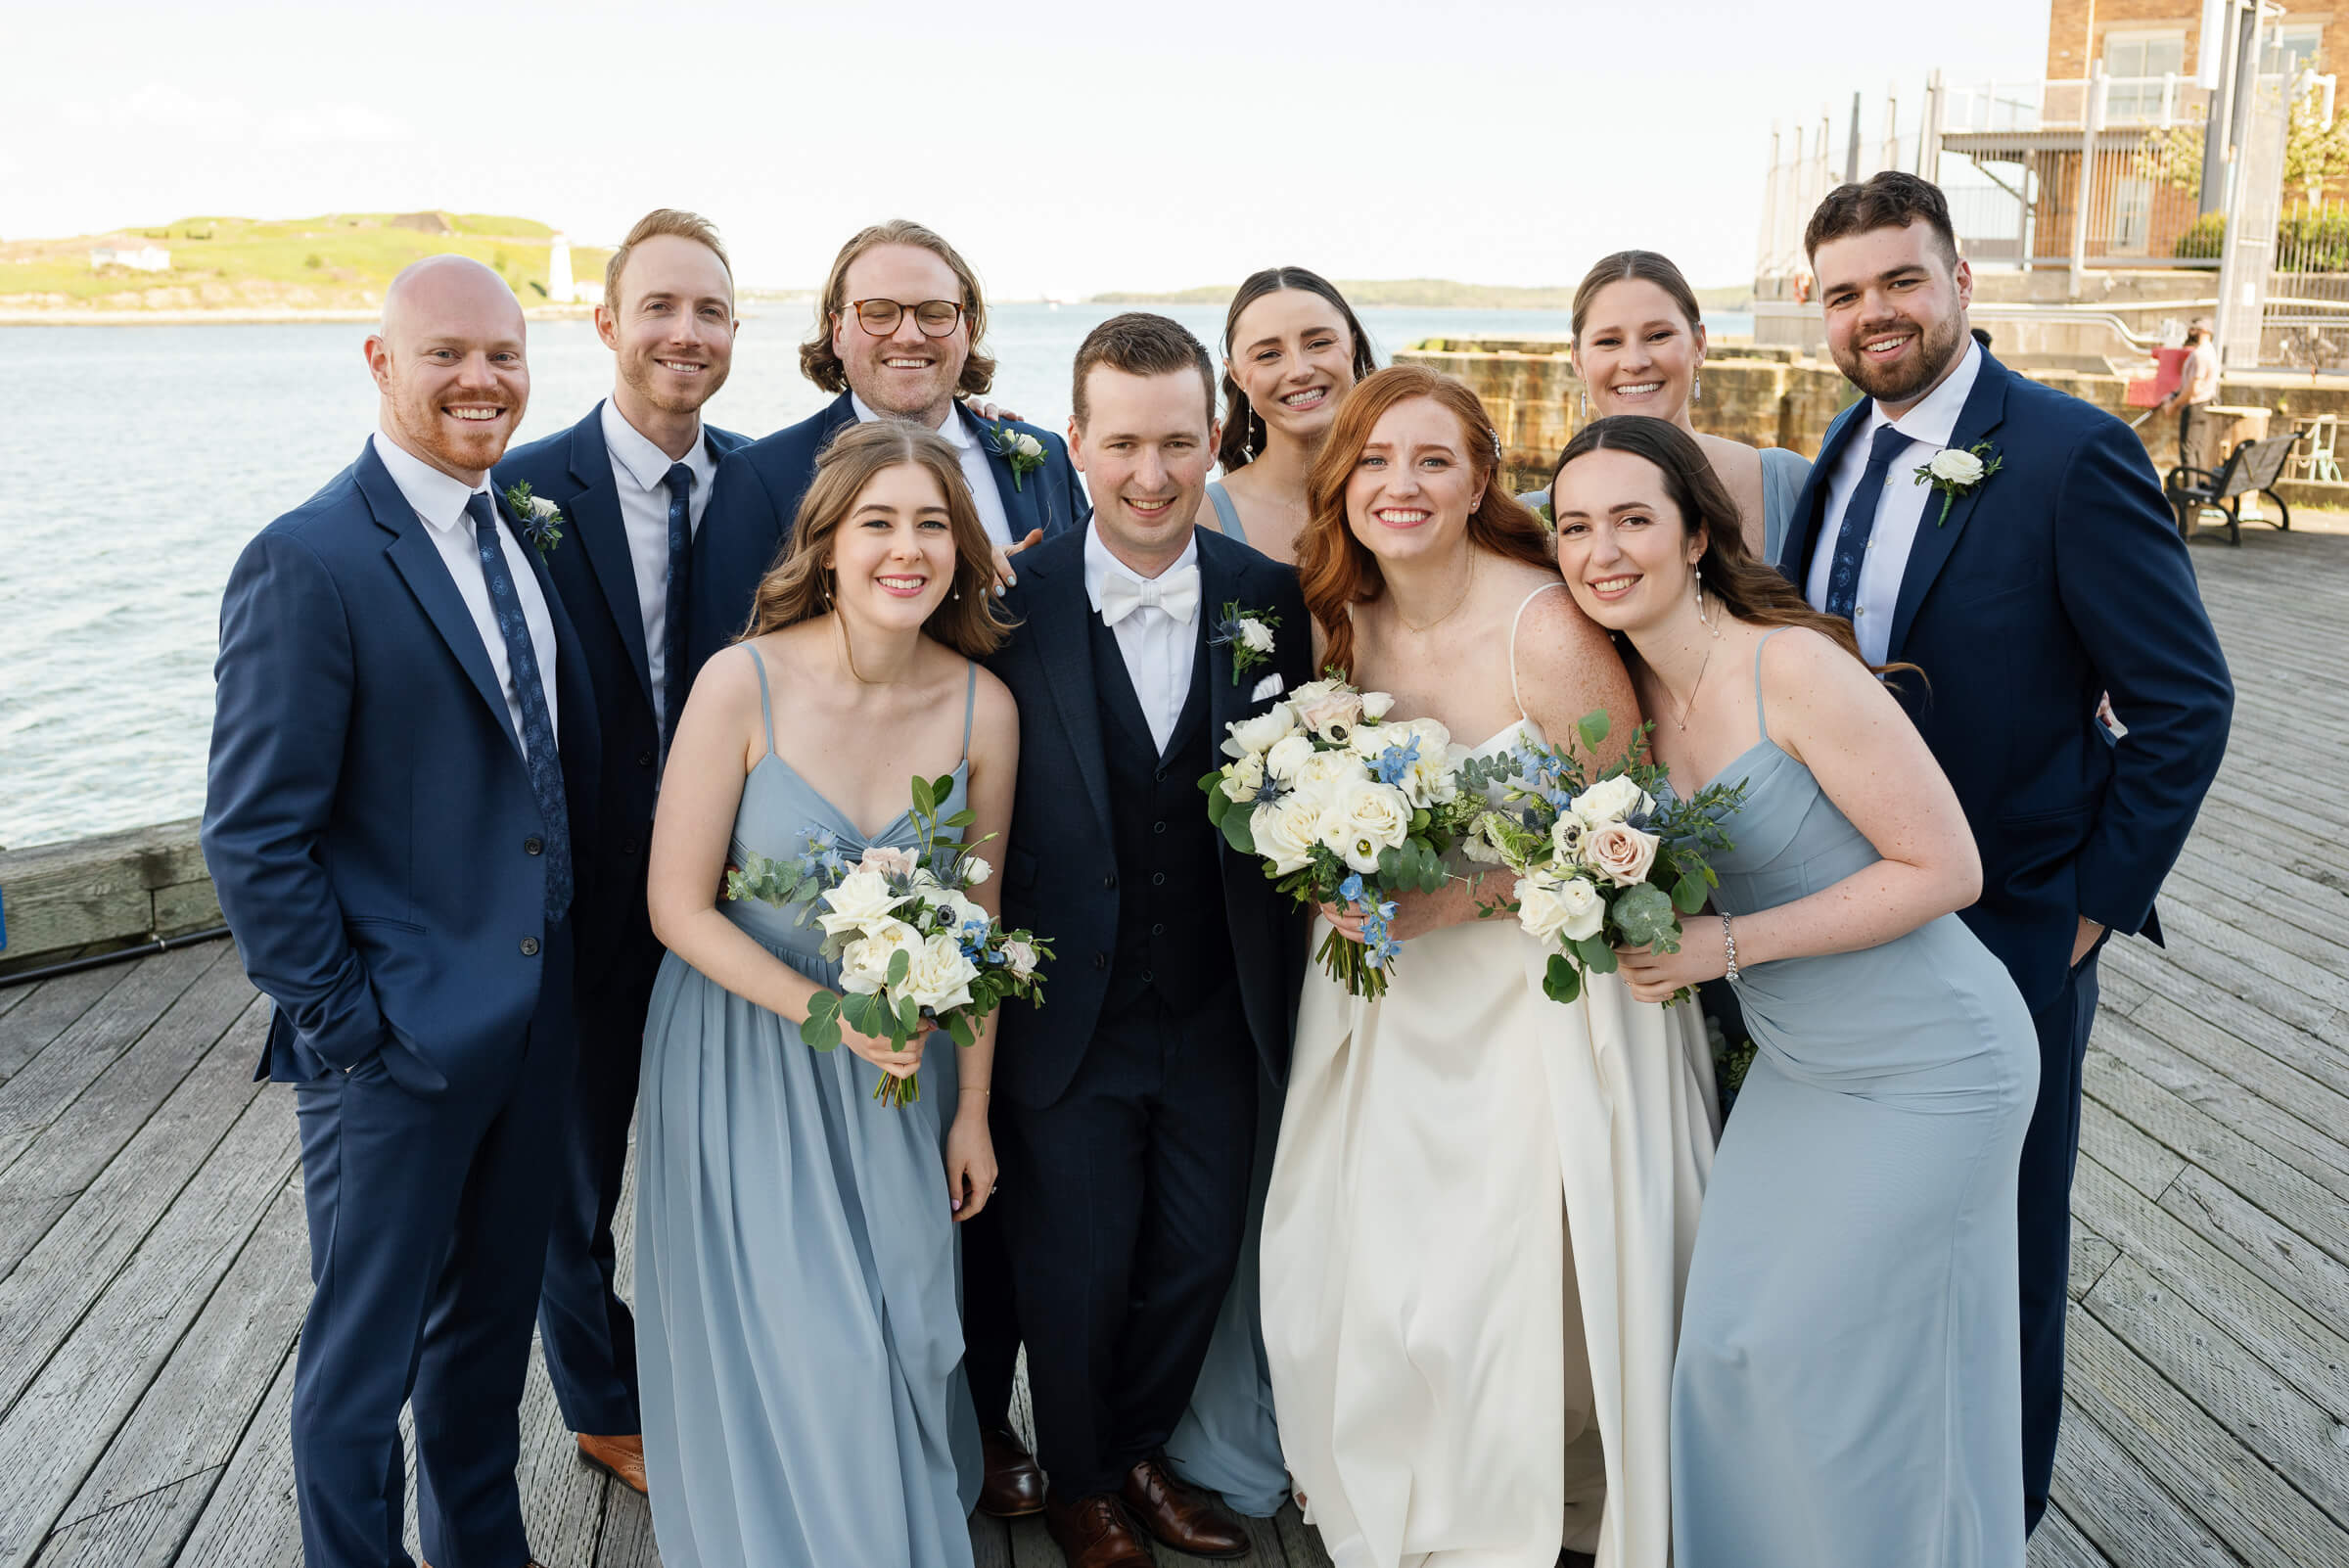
<point x="403" y="760"/>
<point x="633" y="481"/>
<point x="2011" y="541"/>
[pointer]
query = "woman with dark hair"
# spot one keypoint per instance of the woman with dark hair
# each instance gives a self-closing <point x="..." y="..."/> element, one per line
<point x="1292" y="350"/>
<point x="1481" y="1201"/>
<point x="1639" y="348"/>
<point x="1849" y="1383"/>
<point x="798" y="1333"/>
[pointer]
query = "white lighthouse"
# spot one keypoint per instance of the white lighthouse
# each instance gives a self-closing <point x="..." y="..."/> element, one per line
<point x="559" y="287"/>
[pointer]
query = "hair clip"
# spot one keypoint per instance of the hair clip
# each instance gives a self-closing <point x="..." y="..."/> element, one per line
<point x="1496" y="435"/>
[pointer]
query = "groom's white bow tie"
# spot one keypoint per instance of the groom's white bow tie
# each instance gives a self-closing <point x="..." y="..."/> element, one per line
<point x="1176" y="592"/>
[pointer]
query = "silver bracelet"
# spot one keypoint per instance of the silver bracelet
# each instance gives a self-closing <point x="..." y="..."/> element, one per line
<point x="1728" y="945"/>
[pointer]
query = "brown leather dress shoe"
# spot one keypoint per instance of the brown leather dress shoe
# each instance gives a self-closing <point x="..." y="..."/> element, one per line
<point x="1014" y="1487"/>
<point x="1094" y="1533"/>
<point x="1180" y="1517"/>
<point x="619" y="1458"/>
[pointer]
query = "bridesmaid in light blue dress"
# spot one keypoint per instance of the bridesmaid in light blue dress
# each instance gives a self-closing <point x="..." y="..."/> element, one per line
<point x="1848" y="1385"/>
<point x="800" y="1340"/>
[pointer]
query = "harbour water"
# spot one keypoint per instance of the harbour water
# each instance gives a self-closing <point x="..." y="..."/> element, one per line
<point x="136" y="461"/>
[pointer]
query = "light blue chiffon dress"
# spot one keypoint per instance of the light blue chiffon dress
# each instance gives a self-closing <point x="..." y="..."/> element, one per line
<point x="1848" y="1385"/>
<point x="798" y="1328"/>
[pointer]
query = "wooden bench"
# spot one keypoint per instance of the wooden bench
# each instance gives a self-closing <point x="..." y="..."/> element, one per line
<point x="2251" y="468"/>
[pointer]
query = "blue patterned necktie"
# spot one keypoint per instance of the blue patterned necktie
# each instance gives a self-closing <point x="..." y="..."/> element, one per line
<point x="1859" y="523"/>
<point x="680" y="578"/>
<point x="545" y="765"/>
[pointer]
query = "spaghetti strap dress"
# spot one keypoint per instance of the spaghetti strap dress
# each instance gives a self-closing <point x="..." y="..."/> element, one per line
<point x="799" y="1335"/>
<point x="1227" y="515"/>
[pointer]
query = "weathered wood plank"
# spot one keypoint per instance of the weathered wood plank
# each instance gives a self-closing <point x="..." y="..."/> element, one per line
<point x="2312" y="1356"/>
<point x="2127" y="1152"/>
<point x="561" y="1498"/>
<point x="142" y="1532"/>
<point x="2091" y="1255"/>
<point x="2303" y="1047"/>
<point x="2247" y="1452"/>
<point x="627" y="1537"/>
<point x="2059" y="1544"/>
<point x="11" y="996"/>
<point x="66" y="1416"/>
<point x="1300" y="1541"/>
<point x="44" y="1086"/>
<point x="2239" y="888"/>
<point x="48" y="1009"/>
<point x="249" y="1521"/>
<point x="2120" y="1508"/>
<point x="196" y="1410"/>
<point x="990" y="1542"/>
<point x="2204" y="1064"/>
<point x="63" y="1157"/>
<point x="2296" y="1266"/>
<point x="75" y="1262"/>
<point x="96" y="889"/>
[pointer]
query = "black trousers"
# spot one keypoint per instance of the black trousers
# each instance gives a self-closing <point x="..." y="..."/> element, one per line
<point x="2051" y="1152"/>
<point x="1132" y="1198"/>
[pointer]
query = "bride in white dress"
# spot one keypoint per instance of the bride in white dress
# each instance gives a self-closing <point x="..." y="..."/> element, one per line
<point x="1482" y="1204"/>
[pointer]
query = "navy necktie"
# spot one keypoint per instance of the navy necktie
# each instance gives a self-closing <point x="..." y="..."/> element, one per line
<point x="1859" y="523"/>
<point x="545" y="763"/>
<point x="680" y="578"/>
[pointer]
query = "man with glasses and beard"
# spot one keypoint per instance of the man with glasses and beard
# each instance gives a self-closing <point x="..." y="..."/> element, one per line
<point x="631" y="481"/>
<point x="2032" y="565"/>
<point x="897" y="335"/>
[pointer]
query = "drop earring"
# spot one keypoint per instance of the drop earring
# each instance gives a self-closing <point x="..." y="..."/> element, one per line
<point x="1585" y="402"/>
<point x="1696" y="388"/>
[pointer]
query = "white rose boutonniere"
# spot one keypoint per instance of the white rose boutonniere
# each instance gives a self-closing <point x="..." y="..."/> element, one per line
<point x="541" y="519"/>
<point x="1955" y="472"/>
<point x="1248" y="633"/>
<point x="1023" y="451"/>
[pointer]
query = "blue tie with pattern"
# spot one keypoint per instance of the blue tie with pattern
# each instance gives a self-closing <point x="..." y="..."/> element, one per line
<point x="1859" y="523"/>
<point x="680" y="578"/>
<point x="545" y="763"/>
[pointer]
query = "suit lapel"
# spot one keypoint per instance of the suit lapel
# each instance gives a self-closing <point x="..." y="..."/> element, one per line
<point x="418" y="561"/>
<point x="1021" y="505"/>
<point x="604" y="534"/>
<point x="1219" y="585"/>
<point x="1985" y="407"/>
<point x="1794" y="551"/>
<point x="1064" y="644"/>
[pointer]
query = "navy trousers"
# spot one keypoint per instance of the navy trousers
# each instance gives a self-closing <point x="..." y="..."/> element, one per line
<point x="584" y="1328"/>
<point x="1130" y="1202"/>
<point x="2051" y="1152"/>
<point x="428" y="1219"/>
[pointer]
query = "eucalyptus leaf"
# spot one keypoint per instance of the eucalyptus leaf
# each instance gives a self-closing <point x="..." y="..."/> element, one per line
<point x="900" y="964"/>
<point x="1595" y="954"/>
<point x="1593" y="726"/>
<point x="1646" y="916"/>
<point x="1237" y="833"/>
<point x="1562" y="983"/>
<point x="925" y="798"/>
<point x="1689" y="892"/>
<point x="959" y="1026"/>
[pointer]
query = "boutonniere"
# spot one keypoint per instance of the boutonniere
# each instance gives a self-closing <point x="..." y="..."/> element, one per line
<point x="1248" y="633"/>
<point x="1023" y="451"/>
<point x="1956" y="472"/>
<point x="541" y="519"/>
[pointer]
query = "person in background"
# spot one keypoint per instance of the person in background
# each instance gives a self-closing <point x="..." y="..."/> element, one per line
<point x="631" y="481"/>
<point x="1292" y="350"/>
<point x="900" y="331"/>
<point x="405" y="755"/>
<point x="2197" y="390"/>
<point x="2010" y="541"/>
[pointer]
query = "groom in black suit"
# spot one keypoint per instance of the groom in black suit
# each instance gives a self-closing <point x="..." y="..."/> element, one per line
<point x="2022" y="591"/>
<point x="1131" y="1123"/>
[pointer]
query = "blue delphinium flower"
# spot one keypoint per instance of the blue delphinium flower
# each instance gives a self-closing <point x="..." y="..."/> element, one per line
<point x="1379" y="946"/>
<point x="1350" y="890"/>
<point x="1394" y="763"/>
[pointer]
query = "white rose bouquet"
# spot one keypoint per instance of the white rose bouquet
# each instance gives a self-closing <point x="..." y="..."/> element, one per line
<point x="1600" y="863"/>
<point x="1342" y="806"/>
<point x="912" y="945"/>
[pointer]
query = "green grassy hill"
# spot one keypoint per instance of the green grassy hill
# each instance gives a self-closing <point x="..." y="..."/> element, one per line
<point x="342" y="260"/>
<point x="1428" y="294"/>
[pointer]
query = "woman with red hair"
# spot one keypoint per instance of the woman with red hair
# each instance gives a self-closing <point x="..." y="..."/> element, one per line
<point x="1482" y="1202"/>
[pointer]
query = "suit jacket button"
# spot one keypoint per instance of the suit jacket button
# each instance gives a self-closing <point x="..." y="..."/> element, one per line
<point x="1110" y="882"/>
<point x="530" y="947"/>
<point x="1100" y="960"/>
<point x="1162" y="775"/>
<point x="628" y="845"/>
<point x="644" y="759"/>
<point x="1158" y="879"/>
<point x="533" y="846"/>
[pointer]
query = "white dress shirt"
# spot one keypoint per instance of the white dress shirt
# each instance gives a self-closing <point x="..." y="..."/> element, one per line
<point x="1901" y="511"/>
<point x="978" y="469"/>
<point x="1159" y="649"/>
<point x="640" y="474"/>
<point x="439" y="501"/>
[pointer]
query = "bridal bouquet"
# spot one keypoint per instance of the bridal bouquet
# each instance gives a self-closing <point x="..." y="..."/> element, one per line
<point x="1600" y="863"/>
<point x="1342" y="806"/>
<point x="911" y="944"/>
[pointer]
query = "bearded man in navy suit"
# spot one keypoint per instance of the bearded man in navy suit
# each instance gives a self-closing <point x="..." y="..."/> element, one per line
<point x="897" y="335"/>
<point x="2030" y="567"/>
<point x="632" y="483"/>
<point x="403" y="756"/>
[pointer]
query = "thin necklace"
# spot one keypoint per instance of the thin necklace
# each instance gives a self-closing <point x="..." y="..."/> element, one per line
<point x="1422" y="631"/>
<point x="1698" y="685"/>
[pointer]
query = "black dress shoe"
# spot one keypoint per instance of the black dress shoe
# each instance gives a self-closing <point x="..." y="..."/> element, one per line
<point x="1014" y="1487"/>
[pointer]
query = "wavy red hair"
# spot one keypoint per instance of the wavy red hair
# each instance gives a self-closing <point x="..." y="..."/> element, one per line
<point x="1337" y="569"/>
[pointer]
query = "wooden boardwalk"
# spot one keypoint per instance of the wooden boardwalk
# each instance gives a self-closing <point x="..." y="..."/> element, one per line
<point x="154" y="1268"/>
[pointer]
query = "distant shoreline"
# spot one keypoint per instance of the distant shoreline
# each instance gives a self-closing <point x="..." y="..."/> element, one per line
<point x="236" y="317"/>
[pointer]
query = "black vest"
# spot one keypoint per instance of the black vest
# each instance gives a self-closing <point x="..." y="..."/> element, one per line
<point x="1173" y="934"/>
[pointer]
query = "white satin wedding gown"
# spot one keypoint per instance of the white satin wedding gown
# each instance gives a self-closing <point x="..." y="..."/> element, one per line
<point x="1481" y="1216"/>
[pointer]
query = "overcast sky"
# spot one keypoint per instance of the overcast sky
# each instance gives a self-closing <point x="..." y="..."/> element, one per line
<point x="1066" y="148"/>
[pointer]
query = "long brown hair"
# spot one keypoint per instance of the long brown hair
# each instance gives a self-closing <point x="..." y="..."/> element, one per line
<point x="1751" y="590"/>
<point x="1336" y="569"/>
<point x="800" y="586"/>
<point x="1243" y="426"/>
<point x="819" y="363"/>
